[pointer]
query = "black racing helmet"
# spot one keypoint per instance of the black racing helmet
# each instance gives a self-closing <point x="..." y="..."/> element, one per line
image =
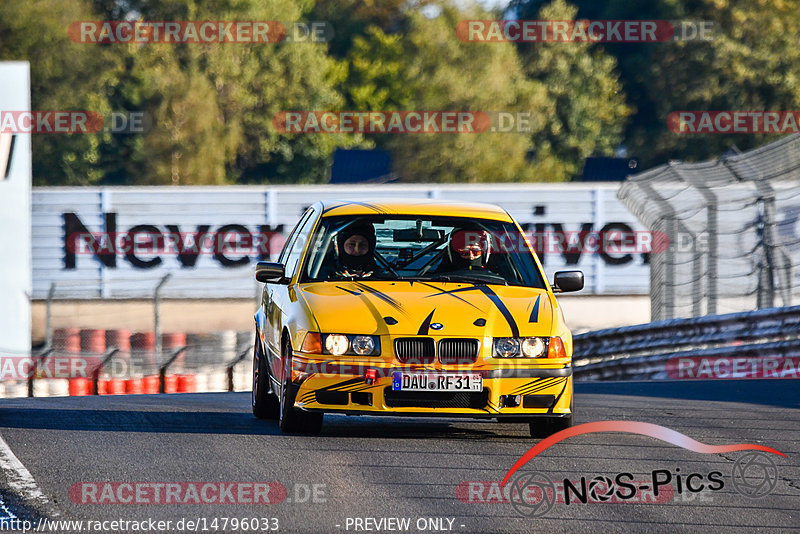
<point x="364" y="229"/>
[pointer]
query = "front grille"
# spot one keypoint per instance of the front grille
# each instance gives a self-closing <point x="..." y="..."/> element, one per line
<point x="435" y="399"/>
<point x="415" y="349"/>
<point x="455" y="351"/>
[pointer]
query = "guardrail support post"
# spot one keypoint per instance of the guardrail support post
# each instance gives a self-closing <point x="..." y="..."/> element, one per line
<point x="156" y="314"/>
<point x="233" y="364"/>
<point x="96" y="373"/>
<point x="48" y="320"/>
<point x="41" y="356"/>
<point x="162" y="371"/>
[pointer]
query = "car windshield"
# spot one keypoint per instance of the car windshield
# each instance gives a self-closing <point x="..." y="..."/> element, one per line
<point x="444" y="249"/>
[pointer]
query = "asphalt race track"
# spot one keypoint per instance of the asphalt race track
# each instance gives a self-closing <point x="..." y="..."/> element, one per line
<point x="436" y="474"/>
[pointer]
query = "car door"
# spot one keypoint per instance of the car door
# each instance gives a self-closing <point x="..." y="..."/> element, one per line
<point x="277" y="296"/>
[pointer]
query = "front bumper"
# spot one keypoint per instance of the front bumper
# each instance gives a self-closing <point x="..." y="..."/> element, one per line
<point x="365" y="388"/>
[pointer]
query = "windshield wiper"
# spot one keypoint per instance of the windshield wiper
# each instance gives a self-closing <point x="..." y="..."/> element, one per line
<point x="477" y="280"/>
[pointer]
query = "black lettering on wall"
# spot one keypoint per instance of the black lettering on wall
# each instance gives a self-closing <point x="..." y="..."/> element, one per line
<point x="188" y="253"/>
<point x="222" y="244"/>
<point x="155" y="244"/>
<point x="607" y="240"/>
<point x="74" y="230"/>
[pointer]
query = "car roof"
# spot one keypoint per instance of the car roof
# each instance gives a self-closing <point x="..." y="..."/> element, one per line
<point x="424" y="206"/>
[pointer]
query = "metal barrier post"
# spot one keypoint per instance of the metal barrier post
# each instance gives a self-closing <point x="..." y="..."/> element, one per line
<point x="672" y="226"/>
<point x="41" y="356"/>
<point x="48" y="326"/>
<point x="233" y="364"/>
<point x="771" y="244"/>
<point x="162" y="372"/>
<point x="99" y="369"/>
<point x="156" y="314"/>
<point x="712" y="247"/>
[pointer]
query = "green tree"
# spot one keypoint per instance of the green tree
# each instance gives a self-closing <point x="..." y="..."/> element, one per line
<point x="64" y="76"/>
<point x="378" y="72"/>
<point x="186" y="140"/>
<point x="429" y="68"/>
<point x="212" y="105"/>
<point x="353" y="18"/>
<point x="751" y="63"/>
<point x="582" y="83"/>
<point x="571" y="93"/>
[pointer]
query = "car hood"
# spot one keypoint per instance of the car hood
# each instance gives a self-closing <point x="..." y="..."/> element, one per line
<point x="422" y="308"/>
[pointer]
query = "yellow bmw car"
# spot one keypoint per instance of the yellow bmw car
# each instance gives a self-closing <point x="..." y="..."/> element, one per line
<point x="411" y="308"/>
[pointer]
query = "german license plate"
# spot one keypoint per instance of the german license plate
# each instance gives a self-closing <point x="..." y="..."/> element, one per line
<point x="436" y="382"/>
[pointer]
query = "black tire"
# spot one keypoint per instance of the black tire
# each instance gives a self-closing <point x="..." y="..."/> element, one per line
<point x="292" y="420"/>
<point x="265" y="404"/>
<point x="542" y="427"/>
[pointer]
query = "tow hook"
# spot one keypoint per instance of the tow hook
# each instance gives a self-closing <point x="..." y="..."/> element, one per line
<point x="370" y="376"/>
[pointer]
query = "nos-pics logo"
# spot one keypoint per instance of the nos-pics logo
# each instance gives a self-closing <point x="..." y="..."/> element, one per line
<point x="533" y="493"/>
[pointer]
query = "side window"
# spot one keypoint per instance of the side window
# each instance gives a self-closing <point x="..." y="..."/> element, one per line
<point x="299" y="244"/>
<point x="292" y="236"/>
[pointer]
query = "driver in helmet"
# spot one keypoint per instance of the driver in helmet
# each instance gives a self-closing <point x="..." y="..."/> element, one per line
<point x="355" y="250"/>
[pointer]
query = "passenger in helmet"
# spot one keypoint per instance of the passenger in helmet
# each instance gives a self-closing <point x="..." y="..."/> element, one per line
<point x="468" y="249"/>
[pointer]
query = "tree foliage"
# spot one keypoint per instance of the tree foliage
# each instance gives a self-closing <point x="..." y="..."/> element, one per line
<point x="429" y="69"/>
<point x="209" y="107"/>
<point x="752" y="62"/>
<point x="64" y="76"/>
<point x="583" y="86"/>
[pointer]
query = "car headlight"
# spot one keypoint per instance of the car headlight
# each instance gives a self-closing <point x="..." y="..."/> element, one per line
<point x="363" y="345"/>
<point x="506" y="347"/>
<point x="336" y="344"/>
<point x="524" y="347"/>
<point x="533" y="347"/>
<point x="354" y="344"/>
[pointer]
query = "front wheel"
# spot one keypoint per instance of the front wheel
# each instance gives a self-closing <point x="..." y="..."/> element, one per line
<point x="265" y="404"/>
<point x="292" y="420"/>
<point x="547" y="426"/>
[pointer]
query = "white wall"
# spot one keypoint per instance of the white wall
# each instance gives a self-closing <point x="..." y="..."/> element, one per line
<point x="569" y="205"/>
<point x="15" y="218"/>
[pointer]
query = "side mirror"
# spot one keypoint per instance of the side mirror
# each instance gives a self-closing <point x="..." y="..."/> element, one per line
<point x="270" y="273"/>
<point x="566" y="281"/>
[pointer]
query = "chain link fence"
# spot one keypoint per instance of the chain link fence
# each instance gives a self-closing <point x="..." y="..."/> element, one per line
<point x="732" y="227"/>
<point x="83" y="354"/>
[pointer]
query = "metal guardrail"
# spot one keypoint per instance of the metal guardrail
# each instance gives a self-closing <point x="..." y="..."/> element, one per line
<point x="639" y="350"/>
<point x="644" y="367"/>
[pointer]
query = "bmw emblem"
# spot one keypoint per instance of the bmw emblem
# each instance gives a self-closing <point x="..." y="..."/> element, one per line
<point x="437" y="326"/>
